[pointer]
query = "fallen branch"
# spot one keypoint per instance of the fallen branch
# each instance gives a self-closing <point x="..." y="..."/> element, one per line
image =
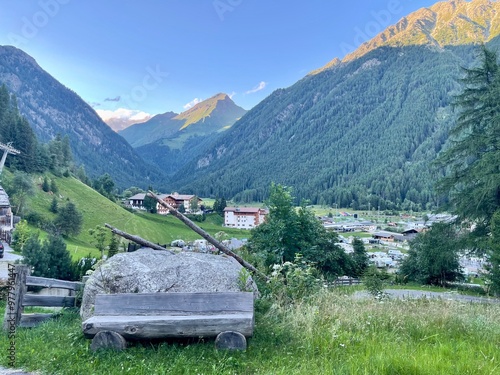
<point x="207" y="236"/>
<point x="137" y="239"/>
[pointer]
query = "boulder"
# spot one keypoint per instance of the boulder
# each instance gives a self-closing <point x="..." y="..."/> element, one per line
<point x="155" y="271"/>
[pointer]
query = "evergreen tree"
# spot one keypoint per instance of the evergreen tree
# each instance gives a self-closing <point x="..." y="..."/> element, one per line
<point x="288" y="232"/>
<point x="53" y="186"/>
<point x="359" y="257"/>
<point x="69" y="220"/>
<point x="35" y="257"/>
<point x="113" y="246"/>
<point x="45" y="184"/>
<point x="473" y="180"/>
<point x="53" y="206"/>
<point x="433" y="257"/>
<point x="59" y="259"/>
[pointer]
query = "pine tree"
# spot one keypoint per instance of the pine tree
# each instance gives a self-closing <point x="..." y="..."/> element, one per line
<point x="53" y="205"/>
<point x="113" y="246"/>
<point x="69" y="220"/>
<point x="45" y="184"/>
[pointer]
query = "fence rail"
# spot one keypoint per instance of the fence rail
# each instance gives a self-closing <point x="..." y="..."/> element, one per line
<point x="345" y="282"/>
<point x="18" y="298"/>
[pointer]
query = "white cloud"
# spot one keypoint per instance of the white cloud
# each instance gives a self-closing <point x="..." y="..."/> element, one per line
<point x="122" y="118"/>
<point x="261" y="86"/>
<point x="192" y="103"/>
<point x="232" y="95"/>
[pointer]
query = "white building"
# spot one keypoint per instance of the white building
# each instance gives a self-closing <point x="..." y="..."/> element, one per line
<point x="244" y="217"/>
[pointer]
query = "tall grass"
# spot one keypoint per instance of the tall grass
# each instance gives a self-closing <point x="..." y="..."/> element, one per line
<point x="329" y="333"/>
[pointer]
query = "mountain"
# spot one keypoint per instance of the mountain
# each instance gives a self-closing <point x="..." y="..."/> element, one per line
<point x="52" y="109"/>
<point x="362" y="132"/>
<point x="170" y="140"/>
<point x="209" y="116"/>
<point x="447" y="23"/>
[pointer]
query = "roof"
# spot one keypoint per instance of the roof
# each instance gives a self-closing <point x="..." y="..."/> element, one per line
<point x="139" y="196"/>
<point x="181" y="197"/>
<point x="244" y="210"/>
<point x="4" y="198"/>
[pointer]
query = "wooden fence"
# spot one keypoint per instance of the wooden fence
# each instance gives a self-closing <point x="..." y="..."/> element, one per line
<point x="18" y="298"/>
<point x="345" y="282"/>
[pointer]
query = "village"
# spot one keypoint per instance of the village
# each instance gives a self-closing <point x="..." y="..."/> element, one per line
<point x="386" y="248"/>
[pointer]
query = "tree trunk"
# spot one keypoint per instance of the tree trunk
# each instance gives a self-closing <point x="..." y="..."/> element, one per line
<point x="207" y="236"/>
<point x="137" y="239"/>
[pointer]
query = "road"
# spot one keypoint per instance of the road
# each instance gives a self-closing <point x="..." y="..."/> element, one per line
<point x="409" y="293"/>
<point x="8" y="257"/>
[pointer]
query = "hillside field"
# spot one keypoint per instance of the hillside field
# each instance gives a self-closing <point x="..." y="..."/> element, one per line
<point x="98" y="210"/>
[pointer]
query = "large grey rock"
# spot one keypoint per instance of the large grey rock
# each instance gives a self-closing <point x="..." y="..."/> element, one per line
<point x="151" y="271"/>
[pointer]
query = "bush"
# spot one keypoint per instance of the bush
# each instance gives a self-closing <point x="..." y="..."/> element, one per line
<point x="36" y="219"/>
<point x="293" y="281"/>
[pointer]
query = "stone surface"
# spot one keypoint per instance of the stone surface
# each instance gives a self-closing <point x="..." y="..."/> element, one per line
<point x="152" y="271"/>
<point x="230" y="340"/>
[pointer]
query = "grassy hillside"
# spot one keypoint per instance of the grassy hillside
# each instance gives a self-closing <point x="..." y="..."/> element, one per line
<point x="98" y="210"/>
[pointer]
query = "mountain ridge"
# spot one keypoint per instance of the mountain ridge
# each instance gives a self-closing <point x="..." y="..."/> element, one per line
<point x="446" y="23"/>
<point x="51" y="108"/>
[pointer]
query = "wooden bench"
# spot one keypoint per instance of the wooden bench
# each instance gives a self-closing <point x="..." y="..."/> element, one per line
<point x="227" y="316"/>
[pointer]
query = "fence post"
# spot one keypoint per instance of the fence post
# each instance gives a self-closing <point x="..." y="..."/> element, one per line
<point x="14" y="306"/>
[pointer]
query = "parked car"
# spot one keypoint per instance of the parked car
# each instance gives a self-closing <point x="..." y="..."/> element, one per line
<point x="1" y="250"/>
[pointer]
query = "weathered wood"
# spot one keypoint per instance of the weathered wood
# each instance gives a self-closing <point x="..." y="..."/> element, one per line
<point x="207" y="236"/>
<point x="137" y="239"/>
<point x="53" y="283"/>
<point x="230" y="340"/>
<point x="108" y="340"/>
<point x="158" y="326"/>
<point x="33" y="320"/>
<point x="173" y="303"/>
<point x="48" y="301"/>
<point x="14" y="305"/>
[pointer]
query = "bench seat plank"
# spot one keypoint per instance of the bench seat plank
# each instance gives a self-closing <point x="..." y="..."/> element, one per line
<point x="173" y="303"/>
<point x="158" y="326"/>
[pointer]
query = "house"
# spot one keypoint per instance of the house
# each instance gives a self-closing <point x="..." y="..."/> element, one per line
<point x="177" y="200"/>
<point x="6" y="217"/>
<point x="244" y="217"/>
<point x="388" y="236"/>
<point x="137" y="201"/>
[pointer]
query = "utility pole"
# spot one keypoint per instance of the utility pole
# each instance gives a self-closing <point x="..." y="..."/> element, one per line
<point x="7" y="149"/>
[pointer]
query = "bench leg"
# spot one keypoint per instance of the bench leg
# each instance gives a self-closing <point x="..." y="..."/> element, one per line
<point x="231" y="340"/>
<point x="108" y="340"/>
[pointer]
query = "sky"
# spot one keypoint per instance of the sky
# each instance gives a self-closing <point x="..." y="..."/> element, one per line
<point x="137" y="58"/>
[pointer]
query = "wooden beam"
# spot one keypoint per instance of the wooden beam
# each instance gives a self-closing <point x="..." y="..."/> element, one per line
<point x="158" y="327"/>
<point x="33" y="320"/>
<point x="173" y="303"/>
<point x="53" y="283"/>
<point x="137" y="239"/>
<point x="14" y="306"/>
<point x="207" y="236"/>
<point x="48" y="301"/>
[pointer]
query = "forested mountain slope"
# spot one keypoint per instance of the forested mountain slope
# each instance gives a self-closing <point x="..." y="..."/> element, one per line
<point x="361" y="132"/>
<point x="53" y="109"/>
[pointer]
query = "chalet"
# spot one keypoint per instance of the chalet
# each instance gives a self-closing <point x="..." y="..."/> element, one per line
<point x="411" y="233"/>
<point x="137" y="201"/>
<point x="177" y="200"/>
<point x="244" y="217"/>
<point x="388" y="236"/>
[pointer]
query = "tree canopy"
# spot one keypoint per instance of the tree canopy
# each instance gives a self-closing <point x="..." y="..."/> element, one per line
<point x="288" y="232"/>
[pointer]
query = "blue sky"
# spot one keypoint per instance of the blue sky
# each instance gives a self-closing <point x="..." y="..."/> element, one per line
<point x="155" y="56"/>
